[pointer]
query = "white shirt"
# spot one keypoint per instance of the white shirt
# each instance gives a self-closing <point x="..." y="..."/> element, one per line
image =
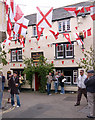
<point x="81" y="80"/>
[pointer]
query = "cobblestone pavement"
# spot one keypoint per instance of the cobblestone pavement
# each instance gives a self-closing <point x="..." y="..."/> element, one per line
<point x="37" y="105"/>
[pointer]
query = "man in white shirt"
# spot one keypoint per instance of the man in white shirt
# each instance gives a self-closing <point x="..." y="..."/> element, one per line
<point x="81" y="87"/>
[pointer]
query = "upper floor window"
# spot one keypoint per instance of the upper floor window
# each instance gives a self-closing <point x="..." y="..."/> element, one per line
<point x="65" y="51"/>
<point x="35" y="31"/>
<point x="16" y="55"/>
<point x="64" y="25"/>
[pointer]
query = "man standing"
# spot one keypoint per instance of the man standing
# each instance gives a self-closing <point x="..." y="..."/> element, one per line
<point x="90" y="86"/>
<point x="81" y="87"/>
<point x="3" y="81"/>
<point x="61" y="80"/>
<point x="56" y="82"/>
<point x="13" y="85"/>
<point x="49" y="80"/>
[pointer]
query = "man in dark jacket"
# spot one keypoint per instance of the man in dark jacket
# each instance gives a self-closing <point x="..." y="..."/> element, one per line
<point x="13" y="85"/>
<point x="61" y="81"/>
<point x="3" y="81"/>
<point x="90" y="87"/>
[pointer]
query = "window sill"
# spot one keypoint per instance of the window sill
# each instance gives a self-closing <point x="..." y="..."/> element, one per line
<point x="63" y="58"/>
<point x="64" y="32"/>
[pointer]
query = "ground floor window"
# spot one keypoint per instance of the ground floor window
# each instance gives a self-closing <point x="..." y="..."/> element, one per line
<point x="71" y="75"/>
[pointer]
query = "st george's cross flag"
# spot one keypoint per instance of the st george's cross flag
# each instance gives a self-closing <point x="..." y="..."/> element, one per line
<point x="21" y="26"/>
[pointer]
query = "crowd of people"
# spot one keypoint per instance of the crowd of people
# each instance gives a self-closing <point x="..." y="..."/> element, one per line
<point x="58" y="79"/>
<point x="85" y="83"/>
<point x="86" y="86"/>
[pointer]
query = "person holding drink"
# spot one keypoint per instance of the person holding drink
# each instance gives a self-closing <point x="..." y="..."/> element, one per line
<point x="13" y="85"/>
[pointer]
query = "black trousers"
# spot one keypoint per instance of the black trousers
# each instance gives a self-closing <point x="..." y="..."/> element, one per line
<point x="80" y="92"/>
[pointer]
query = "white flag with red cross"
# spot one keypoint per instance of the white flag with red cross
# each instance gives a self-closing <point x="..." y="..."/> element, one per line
<point x="21" y="27"/>
<point x="44" y="17"/>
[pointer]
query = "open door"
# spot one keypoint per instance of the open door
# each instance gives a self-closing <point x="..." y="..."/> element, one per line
<point x="37" y="82"/>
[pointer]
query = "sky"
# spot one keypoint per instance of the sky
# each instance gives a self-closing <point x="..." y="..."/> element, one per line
<point x="29" y="6"/>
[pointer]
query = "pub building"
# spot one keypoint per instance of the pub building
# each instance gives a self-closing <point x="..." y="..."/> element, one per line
<point x="59" y="51"/>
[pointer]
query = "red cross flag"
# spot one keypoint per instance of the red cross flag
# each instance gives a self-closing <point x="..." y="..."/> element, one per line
<point x="92" y="12"/>
<point x="9" y="27"/>
<point x="21" y="27"/>
<point x="67" y="36"/>
<point x="44" y="17"/>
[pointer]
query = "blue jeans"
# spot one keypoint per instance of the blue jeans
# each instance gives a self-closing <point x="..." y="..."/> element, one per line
<point x="3" y="85"/>
<point x="56" y="87"/>
<point x="1" y="95"/>
<point x="62" y="90"/>
<point x="12" y="99"/>
<point x="48" y="88"/>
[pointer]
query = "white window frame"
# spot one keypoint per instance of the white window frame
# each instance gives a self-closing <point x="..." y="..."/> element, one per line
<point x="60" y="51"/>
<point x="75" y="74"/>
<point x="19" y="55"/>
<point x="70" y="79"/>
<point x="69" y="50"/>
<point x="35" y="31"/>
<point x="13" y="55"/>
<point x="66" y="23"/>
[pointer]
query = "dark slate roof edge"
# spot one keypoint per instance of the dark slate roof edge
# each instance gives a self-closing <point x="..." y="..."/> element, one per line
<point x="56" y="11"/>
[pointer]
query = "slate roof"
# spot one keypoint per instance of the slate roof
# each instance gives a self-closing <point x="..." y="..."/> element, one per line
<point x="58" y="13"/>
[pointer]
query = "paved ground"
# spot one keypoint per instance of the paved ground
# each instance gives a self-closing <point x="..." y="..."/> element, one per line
<point x="37" y="105"/>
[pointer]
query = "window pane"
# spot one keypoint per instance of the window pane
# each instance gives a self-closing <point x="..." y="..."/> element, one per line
<point x="68" y="25"/>
<point x="34" y="31"/>
<point x="69" y="53"/>
<point x="60" y="54"/>
<point x="19" y="55"/>
<point x="64" y="26"/>
<point x="59" y="26"/>
<point x="69" y="50"/>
